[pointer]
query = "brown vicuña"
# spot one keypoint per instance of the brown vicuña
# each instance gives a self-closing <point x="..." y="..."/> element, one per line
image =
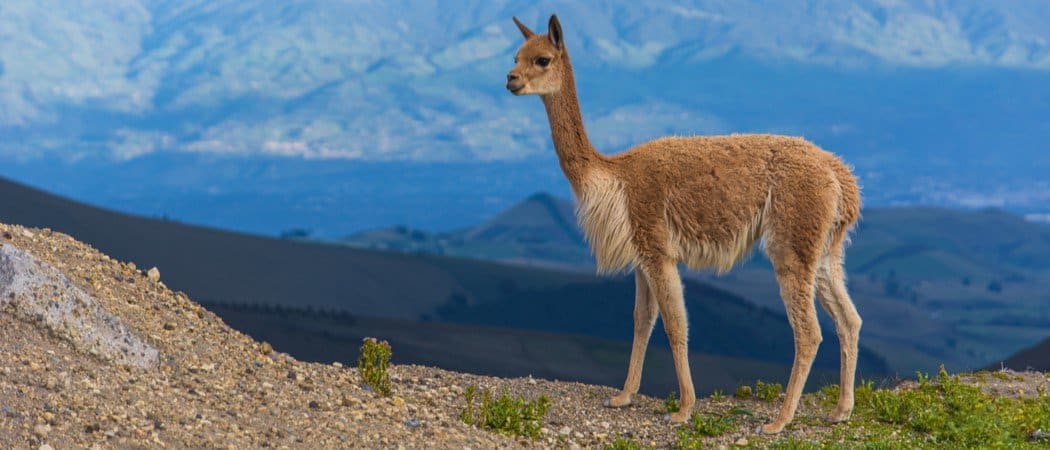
<point x="705" y="201"/>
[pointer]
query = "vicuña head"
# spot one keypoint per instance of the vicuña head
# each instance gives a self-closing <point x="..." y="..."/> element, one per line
<point x="540" y="63"/>
<point x="705" y="202"/>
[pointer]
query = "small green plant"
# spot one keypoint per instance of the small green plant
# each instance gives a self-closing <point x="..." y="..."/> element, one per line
<point x="718" y="395"/>
<point x="373" y="363"/>
<point x="505" y="414"/>
<point x="691" y="435"/>
<point x="743" y="392"/>
<point x="829" y="395"/>
<point x="622" y="443"/>
<point x="468" y="414"/>
<point x="768" y="391"/>
<point x="791" y="443"/>
<point x="671" y="403"/>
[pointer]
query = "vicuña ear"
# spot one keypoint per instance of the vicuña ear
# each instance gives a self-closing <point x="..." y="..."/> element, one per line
<point x="525" y="31"/>
<point x="554" y="32"/>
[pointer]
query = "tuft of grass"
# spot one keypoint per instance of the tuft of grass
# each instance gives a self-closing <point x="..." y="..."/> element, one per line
<point x="505" y="414"/>
<point x="718" y="395"/>
<point x="691" y="435"/>
<point x="372" y="365"/>
<point x="622" y="443"/>
<point x="768" y="391"/>
<point x="743" y="392"/>
<point x="671" y="403"/>
<point x="829" y="395"/>
<point x="792" y="443"/>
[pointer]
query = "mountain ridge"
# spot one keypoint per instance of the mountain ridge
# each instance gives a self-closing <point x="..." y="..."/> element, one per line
<point x="352" y="80"/>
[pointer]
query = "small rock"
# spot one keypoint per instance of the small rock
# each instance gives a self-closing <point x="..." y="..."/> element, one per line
<point x="1040" y="435"/>
<point x="741" y="442"/>
<point x="412" y="423"/>
<point x="169" y="326"/>
<point x="565" y="431"/>
<point x="41" y="430"/>
<point x="337" y="364"/>
<point x="45" y="447"/>
<point x="153" y="274"/>
<point x="314" y="404"/>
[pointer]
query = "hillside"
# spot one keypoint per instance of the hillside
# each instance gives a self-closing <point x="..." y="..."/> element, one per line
<point x="1036" y="357"/>
<point x="208" y="385"/>
<point x="254" y="282"/>
<point x="963" y="288"/>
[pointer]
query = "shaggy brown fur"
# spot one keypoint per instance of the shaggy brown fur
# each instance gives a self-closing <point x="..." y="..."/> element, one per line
<point x="705" y="201"/>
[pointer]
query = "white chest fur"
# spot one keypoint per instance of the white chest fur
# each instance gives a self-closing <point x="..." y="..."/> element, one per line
<point x="602" y="212"/>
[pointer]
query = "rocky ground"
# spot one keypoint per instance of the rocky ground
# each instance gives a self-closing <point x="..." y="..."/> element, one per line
<point x="213" y="387"/>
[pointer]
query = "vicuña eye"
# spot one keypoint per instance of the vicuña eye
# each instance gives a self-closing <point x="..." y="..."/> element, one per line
<point x="543" y="62"/>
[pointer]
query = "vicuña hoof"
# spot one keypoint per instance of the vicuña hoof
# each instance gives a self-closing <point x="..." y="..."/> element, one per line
<point x="677" y="417"/>
<point x="838" y="416"/>
<point x="770" y="428"/>
<point x="618" y="401"/>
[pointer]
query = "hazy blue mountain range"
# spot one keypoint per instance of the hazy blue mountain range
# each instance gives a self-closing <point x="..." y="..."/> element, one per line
<point x="934" y="285"/>
<point x="940" y="102"/>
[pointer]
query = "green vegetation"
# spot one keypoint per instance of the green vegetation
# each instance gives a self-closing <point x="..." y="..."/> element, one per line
<point x="792" y="443"/>
<point x="938" y="413"/>
<point x="743" y="392"/>
<point x="768" y="391"/>
<point x="622" y="443"/>
<point x="671" y="403"/>
<point x="691" y="435"/>
<point x="373" y="363"/>
<point x="718" y="395"/>
<point x="505" y="414"/>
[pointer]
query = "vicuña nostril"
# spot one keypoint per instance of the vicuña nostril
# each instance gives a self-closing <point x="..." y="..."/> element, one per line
<point x="511" y="77"/>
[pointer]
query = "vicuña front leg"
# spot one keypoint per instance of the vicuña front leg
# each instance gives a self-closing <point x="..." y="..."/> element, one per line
<point x="666" y="288"/>
<point x="797" y="291"/>
<point x="644" y="319"/>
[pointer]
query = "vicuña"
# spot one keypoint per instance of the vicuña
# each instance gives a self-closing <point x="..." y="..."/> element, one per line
<point x="704" y="201"/>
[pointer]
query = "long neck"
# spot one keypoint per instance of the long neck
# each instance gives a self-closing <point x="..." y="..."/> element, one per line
<point x="574" y="149"/>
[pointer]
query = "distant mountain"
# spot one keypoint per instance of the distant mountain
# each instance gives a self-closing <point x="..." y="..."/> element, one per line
<point x="260" y="280"/>
<point x="540" y="230"/>
<point x="1036" y="357"/>
<point x="934" y="285"/>
<point x="420" y="80"/>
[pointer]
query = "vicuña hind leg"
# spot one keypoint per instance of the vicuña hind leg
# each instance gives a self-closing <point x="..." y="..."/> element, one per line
<point x="665" y="287"/>
<point x="831" y="287"/>
<point x="796" y="280"/>
<point x="644" y="319"/>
